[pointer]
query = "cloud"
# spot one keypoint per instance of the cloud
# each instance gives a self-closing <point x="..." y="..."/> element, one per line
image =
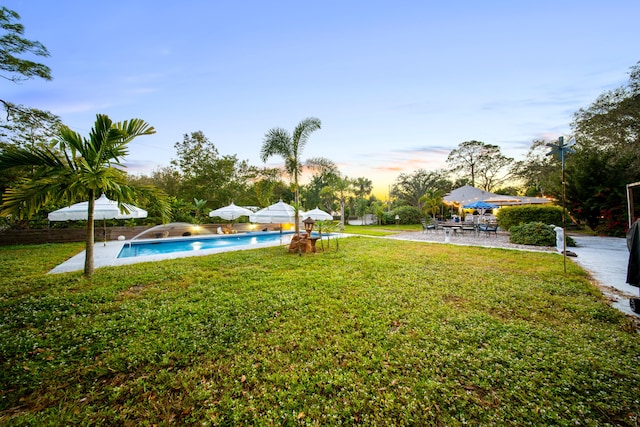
<point x="141" y="167"/>
<point x="404" y="160"/>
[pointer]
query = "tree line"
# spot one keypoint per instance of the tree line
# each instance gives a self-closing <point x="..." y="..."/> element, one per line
<point x="606" y="158"/>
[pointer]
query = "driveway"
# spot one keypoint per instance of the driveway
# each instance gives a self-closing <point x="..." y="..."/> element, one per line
<point x="606" y="259"/>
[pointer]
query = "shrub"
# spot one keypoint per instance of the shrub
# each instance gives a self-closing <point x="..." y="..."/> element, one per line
<point x="387" y="218"/>
<point x="533" y="233"/>
<point x="407" y="214"/>
<point x="517" y="215"/>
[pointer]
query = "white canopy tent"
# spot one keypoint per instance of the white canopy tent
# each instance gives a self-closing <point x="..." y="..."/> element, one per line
<point x="467" y="195"/>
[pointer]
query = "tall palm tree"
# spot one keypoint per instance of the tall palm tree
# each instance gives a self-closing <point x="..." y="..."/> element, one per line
<point x="343" y="188"/>
<point x="76" y="168"/>
<point x="280" y="142"/>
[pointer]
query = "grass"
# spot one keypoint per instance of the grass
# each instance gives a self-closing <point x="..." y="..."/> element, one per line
<point x="380" y="230"/>
<point x="381" y="332"/>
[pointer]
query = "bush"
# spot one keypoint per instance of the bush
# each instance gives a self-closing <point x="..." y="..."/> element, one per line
<point x="387" y="218"/>
<point x="533" y="233"/>
<point x="517" y="215"/>
<point x="407" y="214"/>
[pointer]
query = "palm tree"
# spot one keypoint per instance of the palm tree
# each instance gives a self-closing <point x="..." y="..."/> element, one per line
<point x="431" y="202"/>
<point x="280" y="142"/>
<point x="199" y="205"/>
<point x="76" y="168"/>
<point x="343" y="187"/>
<point x="362" y="187"/>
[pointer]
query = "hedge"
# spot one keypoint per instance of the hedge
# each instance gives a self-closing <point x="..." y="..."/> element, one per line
<point x="516" y="215"/>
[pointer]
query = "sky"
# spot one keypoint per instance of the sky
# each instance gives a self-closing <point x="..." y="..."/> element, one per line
<point x="397" y="85"/>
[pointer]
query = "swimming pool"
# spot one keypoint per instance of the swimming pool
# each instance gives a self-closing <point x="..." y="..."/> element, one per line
<point x="200" y="243"/>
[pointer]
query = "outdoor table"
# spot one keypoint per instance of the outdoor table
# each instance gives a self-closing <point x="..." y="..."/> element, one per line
<point x="454" y="226"/>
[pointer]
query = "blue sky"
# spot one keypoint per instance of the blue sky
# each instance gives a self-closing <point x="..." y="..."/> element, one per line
<point x="397" y="85"/>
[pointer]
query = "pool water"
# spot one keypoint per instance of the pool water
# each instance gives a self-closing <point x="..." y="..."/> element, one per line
<point x="187" y="244"/>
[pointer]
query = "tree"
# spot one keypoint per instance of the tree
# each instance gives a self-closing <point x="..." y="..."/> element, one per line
<point x="362" y="187"/>
<point x="166" y="178"/>
<point x="327" y="198"/>
<point x="595" y="189"/>
<point x="76" y="168"/>
<point x="612" y="122"/>
<point x="539" y="172"/>
<point x="409" y="188"/>
<point x="13" y="45"/>
<point x="279" y="142"/>
<point x="27" y="126"/>
<point x="266" y="185"/>
<point x="432" y="201"/>
<point x="199" y="205"/>
<point x="21" y="125"/>
<point x="341" y="188"/>
<point x="206" y="175"/>
<point x="477" y="160"/>
<point x="378" y="208"/>
<point x="607" y="157"/>
<point x="324" y="171"/>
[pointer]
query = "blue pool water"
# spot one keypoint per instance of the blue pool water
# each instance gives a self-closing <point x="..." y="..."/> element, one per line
<point x="159" y="247"/>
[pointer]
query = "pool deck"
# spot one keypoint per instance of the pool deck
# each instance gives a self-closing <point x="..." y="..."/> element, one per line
<point x="106" y="255"/>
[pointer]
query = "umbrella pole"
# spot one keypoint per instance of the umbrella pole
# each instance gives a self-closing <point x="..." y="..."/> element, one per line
<point x="104" y="230"/>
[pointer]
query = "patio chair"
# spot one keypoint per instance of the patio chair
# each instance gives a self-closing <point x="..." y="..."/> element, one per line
<point x="468" y="227"/>
<point x="427" y="226"/>
<point x="488" y="229"/>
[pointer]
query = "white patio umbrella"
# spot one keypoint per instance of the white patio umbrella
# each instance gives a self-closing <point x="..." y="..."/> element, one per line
<point x="230" y="212"/>
<point x="103" y="209"/>
<point x="277" y="213"/>
<point x="316" y="214"/>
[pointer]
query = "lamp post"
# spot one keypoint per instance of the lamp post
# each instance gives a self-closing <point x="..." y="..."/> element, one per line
<point x="561" y="150"/>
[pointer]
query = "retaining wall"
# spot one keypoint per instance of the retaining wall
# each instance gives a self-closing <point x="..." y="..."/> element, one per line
<point x="65" y="235"/>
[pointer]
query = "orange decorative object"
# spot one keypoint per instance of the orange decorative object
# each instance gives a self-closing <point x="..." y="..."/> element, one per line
<point x="303" y="242"/>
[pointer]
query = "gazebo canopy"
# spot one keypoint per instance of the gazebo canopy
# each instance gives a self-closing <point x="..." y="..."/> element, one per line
<point x="467" y="195"/>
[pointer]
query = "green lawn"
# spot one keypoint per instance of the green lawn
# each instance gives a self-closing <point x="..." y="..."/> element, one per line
<point x="381" y="332"/>
<point x="380" y="230"/>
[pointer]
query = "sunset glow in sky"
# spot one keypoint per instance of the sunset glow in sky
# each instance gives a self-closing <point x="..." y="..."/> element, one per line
<point x="397" y="85"/>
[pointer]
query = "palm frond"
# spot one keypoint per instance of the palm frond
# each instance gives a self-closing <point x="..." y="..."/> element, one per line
<point x="31" y="156"/>
<point x="150" y="193"/>
<point x="100" y="134"/>
<point x="302" y="131"/>
<point x="133" y="128"/>
<point x="69" y="140"/>
<point x="322" y="164"/>
<point x="122" y="133"/>
<point x="25" y="198"/>
<point x="277" y="141"/>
